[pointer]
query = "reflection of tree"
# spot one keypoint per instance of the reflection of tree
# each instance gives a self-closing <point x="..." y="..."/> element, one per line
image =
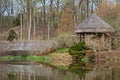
<point x="80" y="68"/>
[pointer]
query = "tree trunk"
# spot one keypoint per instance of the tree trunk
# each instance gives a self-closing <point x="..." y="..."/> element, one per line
<point x="34" y="25"/>
<point x="87" y="8"/>
<point x="29" y="33"/>
<point x="58" y="3"/>
<point x="21" y="24"/>
<point x="50" y="24"/>
<point x="44" y="23"/>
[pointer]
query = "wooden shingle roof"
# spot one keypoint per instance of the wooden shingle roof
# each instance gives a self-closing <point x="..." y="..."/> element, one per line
<point x="93" y="24"/>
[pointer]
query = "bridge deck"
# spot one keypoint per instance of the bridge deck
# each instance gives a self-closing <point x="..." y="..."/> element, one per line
<point x="29" y="46"/>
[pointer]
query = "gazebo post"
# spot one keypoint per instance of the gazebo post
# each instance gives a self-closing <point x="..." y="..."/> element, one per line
<point x="80" y="37"/>
<point x="110" y="43"/>
<point x="101" y="45"/>
<point x="103" y="40"/>
<point x="85" y="37"/>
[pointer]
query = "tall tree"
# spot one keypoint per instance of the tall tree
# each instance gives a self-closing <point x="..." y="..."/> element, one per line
<point x="66" y="23"/>
<point x="44" y="17"/>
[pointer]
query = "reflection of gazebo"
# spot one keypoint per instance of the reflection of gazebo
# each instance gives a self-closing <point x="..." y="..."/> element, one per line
<point x="95" y="32"/>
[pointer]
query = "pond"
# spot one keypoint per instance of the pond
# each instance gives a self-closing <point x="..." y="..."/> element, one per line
<point x="19" y="70"/>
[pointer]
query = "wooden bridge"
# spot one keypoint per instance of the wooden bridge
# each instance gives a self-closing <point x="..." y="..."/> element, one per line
<point x="27" y="46"/>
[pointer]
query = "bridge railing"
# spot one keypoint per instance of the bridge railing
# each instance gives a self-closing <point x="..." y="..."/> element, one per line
<point x="31" y="45"/>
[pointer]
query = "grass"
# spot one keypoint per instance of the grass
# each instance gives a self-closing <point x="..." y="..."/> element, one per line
<point x="62" y="50"/>
<point x="28" y="58"/>
<point x="59" y="51"/>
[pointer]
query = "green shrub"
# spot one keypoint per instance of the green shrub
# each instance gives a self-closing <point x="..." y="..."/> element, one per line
<point x="62" y="50"/>
<point x="78" y="50"/>
<point x="12" y="35"/>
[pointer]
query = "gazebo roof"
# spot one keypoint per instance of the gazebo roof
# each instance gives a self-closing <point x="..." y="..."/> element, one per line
<point x="93" y="24"/>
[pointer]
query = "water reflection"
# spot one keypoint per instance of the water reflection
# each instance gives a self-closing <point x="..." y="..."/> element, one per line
<point x="34" y="72"/>
<point x="80" y="68"/>
<point x="76" y="71"/>
<point x="104" y="71"/>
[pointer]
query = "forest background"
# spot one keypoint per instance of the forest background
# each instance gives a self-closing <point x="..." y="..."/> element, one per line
<point x="34" y="20"/>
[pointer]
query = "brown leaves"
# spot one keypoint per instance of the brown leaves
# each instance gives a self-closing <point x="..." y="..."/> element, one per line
<point x="111" y="14"/>
<point x="66" y="22"/>
<point x="108" y="11"/>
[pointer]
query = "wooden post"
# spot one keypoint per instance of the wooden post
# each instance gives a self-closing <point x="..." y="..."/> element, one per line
<point x="110" y="43"/>
<point x="85" y="37"/>
<point x="101" y="45"/>
<point x="80" y="37"/>
<point x="103" y="40"/>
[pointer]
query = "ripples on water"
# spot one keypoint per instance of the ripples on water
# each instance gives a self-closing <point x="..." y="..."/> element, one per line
<point x="76" y="71"/>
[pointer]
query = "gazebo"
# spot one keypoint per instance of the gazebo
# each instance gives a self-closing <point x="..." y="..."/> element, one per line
<point x="95" y="32"/>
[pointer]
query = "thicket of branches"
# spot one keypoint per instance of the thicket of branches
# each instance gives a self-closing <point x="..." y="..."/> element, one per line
<point x="111" y="14"/>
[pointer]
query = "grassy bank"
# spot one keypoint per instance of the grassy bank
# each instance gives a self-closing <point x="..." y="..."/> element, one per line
<point x="27" y="58"/>
<point x="45" y="58"/>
